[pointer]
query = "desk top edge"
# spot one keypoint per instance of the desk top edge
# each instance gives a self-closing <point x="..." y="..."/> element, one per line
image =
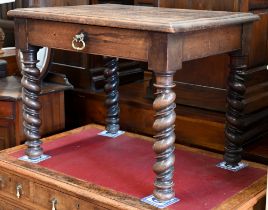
<point x="136" y="17"/>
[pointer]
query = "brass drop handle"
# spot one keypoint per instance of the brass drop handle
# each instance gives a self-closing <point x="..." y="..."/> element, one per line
<point x="54" y="203"/>
<point x="78" y="42"/>
<point x="18" y="190"/>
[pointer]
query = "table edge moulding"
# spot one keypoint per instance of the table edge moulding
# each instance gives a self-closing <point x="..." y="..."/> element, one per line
<point x="91" y="15"/>
<point x="163" y="37"/>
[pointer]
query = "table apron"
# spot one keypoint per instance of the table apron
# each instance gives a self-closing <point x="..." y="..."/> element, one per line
<point x="132" y="44"/>
<point x="210" y="42"/>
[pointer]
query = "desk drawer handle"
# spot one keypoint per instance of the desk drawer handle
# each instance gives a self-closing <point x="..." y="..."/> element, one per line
<point x="18" y="190"/>
<point x="54" y="203"/>
<point x="78" y="42"/>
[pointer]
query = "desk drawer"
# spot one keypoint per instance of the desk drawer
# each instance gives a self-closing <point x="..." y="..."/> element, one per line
<point x="97" y="40"/>
<point x="144" y="2"/>
<point x="45" y="197"/>
<point x="7" y="109"/>
<point x="16" y="186"/>
<point x="7" y="206"/>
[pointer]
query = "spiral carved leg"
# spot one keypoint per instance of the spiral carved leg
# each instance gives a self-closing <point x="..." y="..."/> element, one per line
<point x="112" y="98"/>
<point x="165" y="137"/>
<point x="31" y="104"/>
<point x="234" y="129"/>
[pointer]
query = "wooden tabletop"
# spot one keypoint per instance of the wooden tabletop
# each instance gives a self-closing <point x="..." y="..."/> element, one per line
<point x="136" y="17"/>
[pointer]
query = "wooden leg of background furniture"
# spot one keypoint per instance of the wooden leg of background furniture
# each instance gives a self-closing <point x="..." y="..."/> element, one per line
<point x="112" y="99"/>
<point x="31" y="105"/>
<point x="234" y="114"/>
<point x="165" y="137"/>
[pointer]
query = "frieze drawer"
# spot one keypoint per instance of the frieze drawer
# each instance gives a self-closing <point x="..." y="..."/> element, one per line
<point x="15" y="186"/>
<point x="7" y="206"/>
<point x="53" y="199"/>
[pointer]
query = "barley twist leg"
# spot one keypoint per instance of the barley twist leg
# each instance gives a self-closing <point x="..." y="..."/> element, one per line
<point x="234" y="129"/>
<point x="31" y="104"/>
<point x="165" y="117"/>
<point x="112" y="98"/>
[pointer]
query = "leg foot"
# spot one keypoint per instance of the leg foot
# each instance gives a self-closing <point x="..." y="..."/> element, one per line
<point x="239" y="166"/>
<point x="152" y="200"/>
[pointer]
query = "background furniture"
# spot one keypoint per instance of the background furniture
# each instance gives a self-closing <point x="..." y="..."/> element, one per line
<point x="2" y="38"/>
<point x="3" y="68"/>
<point x="9" y="55"/>
<point x="6" y="24"/>
<point x="52" y="112"/>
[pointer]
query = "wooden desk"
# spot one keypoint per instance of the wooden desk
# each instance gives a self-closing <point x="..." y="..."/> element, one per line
<point x="163" y="37"/>
<point x="96" y="180"/>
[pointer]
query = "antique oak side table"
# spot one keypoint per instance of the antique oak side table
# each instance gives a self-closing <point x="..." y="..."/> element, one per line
<point x="162" y="37"/>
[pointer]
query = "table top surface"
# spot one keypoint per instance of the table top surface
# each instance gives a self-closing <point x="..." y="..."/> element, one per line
<point x="136" y="17"/>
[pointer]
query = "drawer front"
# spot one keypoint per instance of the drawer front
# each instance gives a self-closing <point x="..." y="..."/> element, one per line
<point x="48" y="198"/>
<point x="7" y="109"/>
<point x="144" y="2"/>
<point x="16" y="186"/>
<point x="97" y="40"/>
<point x="7" y="206"/>
<point x="83" y="205"/>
